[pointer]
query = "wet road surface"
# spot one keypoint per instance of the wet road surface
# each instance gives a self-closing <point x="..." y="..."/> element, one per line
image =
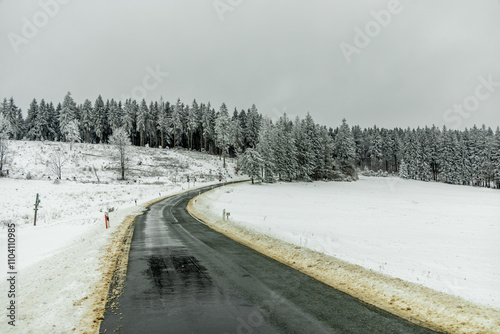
<point x="183" y="277"/>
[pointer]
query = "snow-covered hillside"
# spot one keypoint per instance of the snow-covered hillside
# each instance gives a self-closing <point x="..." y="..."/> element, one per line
<point x="60" y="261"/>
<point x="440" y="236"/>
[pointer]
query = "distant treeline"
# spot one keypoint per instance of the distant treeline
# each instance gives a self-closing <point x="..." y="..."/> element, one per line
<point x="296" y="149"/>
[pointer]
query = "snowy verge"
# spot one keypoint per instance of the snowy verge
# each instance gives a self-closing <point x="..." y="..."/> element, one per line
<point x="417" y="303"/>
<point x="53" y="292"/>
<point x="65" y="263"/>
<point x="65" y="288"/>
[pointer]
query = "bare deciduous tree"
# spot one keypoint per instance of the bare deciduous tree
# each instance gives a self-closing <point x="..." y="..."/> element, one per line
<point x="56" y="163"/>
<point x="121" y="140"/>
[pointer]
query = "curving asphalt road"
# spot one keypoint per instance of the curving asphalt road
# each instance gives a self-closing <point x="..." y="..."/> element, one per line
<point x="183" y="277"/>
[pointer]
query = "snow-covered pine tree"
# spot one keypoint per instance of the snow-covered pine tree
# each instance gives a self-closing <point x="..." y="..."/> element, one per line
<point x="410" y="153"/>
<point x="177" y="122"/>
<point x="208" y="124"/>
<point x="403" y="170"/>
<point x="201" y="130"/>
<point x="72" y="133"/>
<point x="496" y="157"/>
<point x="4" y="143"/>
<point x="86" y="124"/>
<point x="423" y="156"/>
<point x="344" y="147"/>
<point x="236" y="133"/>
<point x="478" y="154"/>
<point x="252" y="127"/>
<point x="131" y="110"/>
<point x="285" y="152"/>
<point x="100" y="119"/>
<point x="359" y="145"/>
<point x="434" y="141"/>
<point x="265" y="149"/>
<point x="312" y="133"/>
<point x="306" y="157"/>
<point x="13" y="117"/>
<point x="326" y="153"/>
<point x="142" y="119"/>
<point x="387" y="146"/>
<point x="242" y="119"/>
<point x="251" y="163"/>
<point x="116" y="114"/>
<point x="375" y="151"/>
<point x="448" y="161"/>
<point x="3" y="109"/>
<point x="53" y="114"/>
<point x="487" y="169"/>
<point x="151" y="124"/>
<point x="222" y="132"/>
<point x="41" y="129"/>
<point x="164" y="122"/>
<point x="464" y="158"/>
<point x="68" y="117"/>
<point x="193" y="122"/>
<point x="29" y="123"/>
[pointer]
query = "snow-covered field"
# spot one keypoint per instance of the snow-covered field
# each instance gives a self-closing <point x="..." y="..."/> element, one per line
<point x="60" y="261"/>
<point x="440" y="236"/>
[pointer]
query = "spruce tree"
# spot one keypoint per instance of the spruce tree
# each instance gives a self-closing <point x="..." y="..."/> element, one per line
<point x="326" y="153"/>
<point x="12" y="115"/>
<point x="99" y="119"/>
<point x="252" y="126"/>
<point x="131" y="109"/>
<point x="208" y="125"/>
<point x="142" y="119"/>
<point x="42" y="130"/>
<point x="251" y="163"/>
<point x="344" y="147"/>
<point x="265" y="149"/>
<point x="163" y="123"/>
<point x="177" y="122"/>
<point x="285" y="154"/>
<point x="68" y="117"/>
<point x="29" y="124"/>
<point x="222" y="132"/>
<point x="403" y="170"/>
<point x="304" y="144"/>
<point x="86" y="123"/>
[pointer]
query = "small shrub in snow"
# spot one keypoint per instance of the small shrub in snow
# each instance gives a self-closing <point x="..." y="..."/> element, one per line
<point x="28" y="176"/>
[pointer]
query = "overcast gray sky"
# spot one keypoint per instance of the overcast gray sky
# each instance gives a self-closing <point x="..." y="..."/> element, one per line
<point x="407" y="69"/>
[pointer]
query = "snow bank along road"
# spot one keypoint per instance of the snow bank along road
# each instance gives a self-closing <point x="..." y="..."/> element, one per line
<point x="184" y="277"/>
<point x="425" y="251"/>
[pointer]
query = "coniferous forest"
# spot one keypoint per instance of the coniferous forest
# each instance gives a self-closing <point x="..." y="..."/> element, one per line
<point x="288" y="149"/>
